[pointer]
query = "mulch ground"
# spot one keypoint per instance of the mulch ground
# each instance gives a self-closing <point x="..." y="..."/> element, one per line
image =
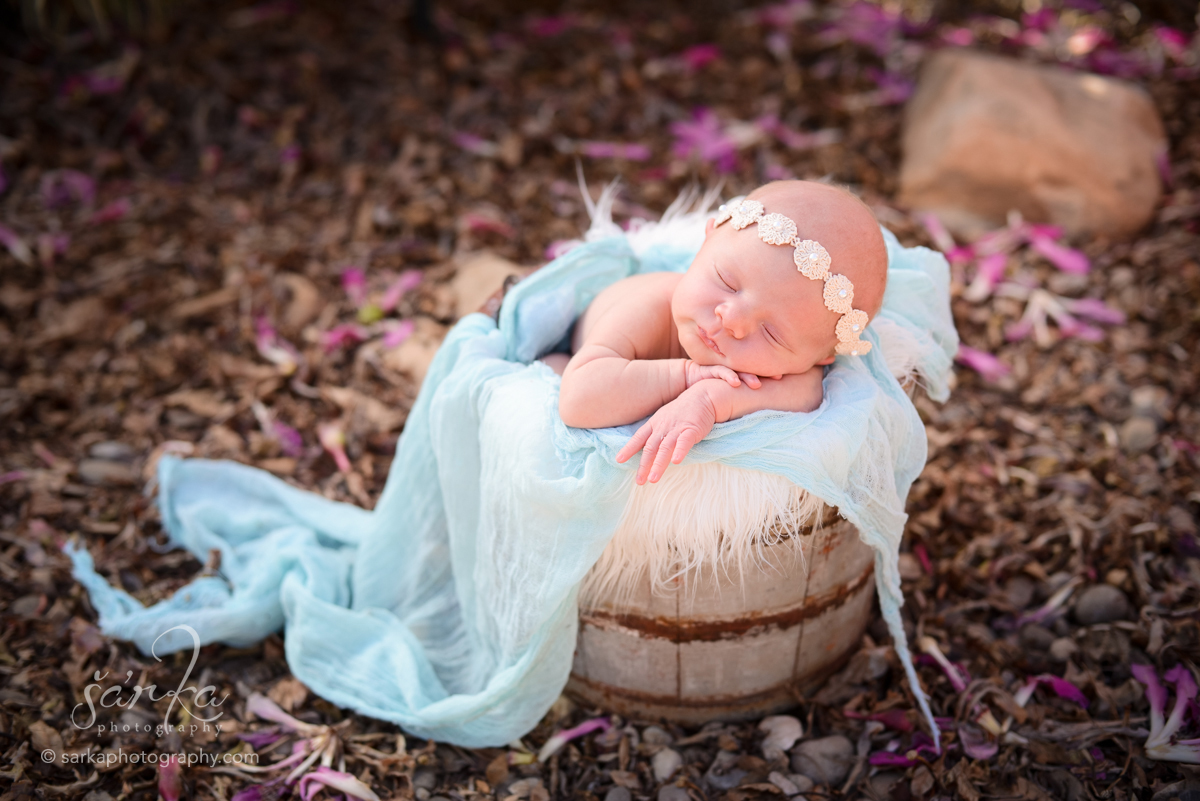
<point x="184" y="212"/>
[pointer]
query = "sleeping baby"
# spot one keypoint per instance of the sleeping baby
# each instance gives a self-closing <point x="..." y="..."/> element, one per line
<point x="787" y="278"/>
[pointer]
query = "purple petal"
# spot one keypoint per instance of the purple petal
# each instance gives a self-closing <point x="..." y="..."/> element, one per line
<point x="261" y="706"/>
<point x="1184" y="681"/>
<point x="893" y="718"/>
<point x="959" y="37"/>
<point x="697" y="56"/>
<point x="1156" y="694"/>
<point x="567" y="735"/>
<point x="1064" y="689"/>
<point x="886" y="759"/>
<point x="60" y="187"/>
<point x="354" y="281"/>
<point x="170" y="778"/>
<point x="252" y="793"/>
<point x="546" y="27"/>
<point x="614" y="150"/>
<point x="1174" y="41"/>
<point x="704" y="138"/>
<point x="112" y="212"/>
<point x="1034" y="230"/>
<point x="333" y="439"/>
<point x="398" y="333"/>
<point x="290" y="441"/>
<point x="1163" y="162"/>
<point x="1041" y="20"/>
<point x="479" y="222"/>
<point x="1097" y="310"/>
<point x="1070" y="327"/>
<point x="258" y="739"/>
<point x="476" y="145"/>
<point x="938" y="233"/>
<point x="405" y="283"/>
<point x="11" y="476"/>
<point x="976" y="744"/>
<point x="1066" y="259"/>
<point x="991" y="268"/>
<point x="1018" y="330"/>
<point x="961" y="254"/>
<point x="987" y="365"/>
<point x="342" y="335"/>
<point x="311" y="784"/>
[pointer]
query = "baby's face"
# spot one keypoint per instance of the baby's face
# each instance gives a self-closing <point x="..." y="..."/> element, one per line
<point x="743" y="304"/>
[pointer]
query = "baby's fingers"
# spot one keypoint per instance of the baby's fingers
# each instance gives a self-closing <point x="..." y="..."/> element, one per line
<point x="729" y="376"/>
<point x="648" y="454"/>
<point x="662" y="458"/>
<point x="686" y="440"/>
<point x="635" y="443"/>
<point x="750" y="380"/>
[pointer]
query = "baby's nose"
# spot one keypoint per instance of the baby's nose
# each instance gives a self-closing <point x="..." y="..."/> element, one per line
<point x="732" y="320"/>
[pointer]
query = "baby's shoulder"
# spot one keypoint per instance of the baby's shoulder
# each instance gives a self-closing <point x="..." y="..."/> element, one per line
<point x="636" y="309"/>
<point x="649" y="287"/>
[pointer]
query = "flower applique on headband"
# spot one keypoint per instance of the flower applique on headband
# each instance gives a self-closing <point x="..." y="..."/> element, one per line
<point x="812" y="261"/>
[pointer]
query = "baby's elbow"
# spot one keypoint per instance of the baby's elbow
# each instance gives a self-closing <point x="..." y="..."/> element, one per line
<point x="570" y="408"/>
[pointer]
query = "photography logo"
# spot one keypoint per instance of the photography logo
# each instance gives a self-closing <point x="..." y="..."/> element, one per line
<point x="201" y="698"/>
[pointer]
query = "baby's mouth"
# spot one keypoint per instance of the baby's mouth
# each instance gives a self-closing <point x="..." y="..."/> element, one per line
<point x="704" y="337"/>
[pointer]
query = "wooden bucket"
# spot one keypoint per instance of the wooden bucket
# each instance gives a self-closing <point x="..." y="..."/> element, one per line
<point x="717" y="648"/>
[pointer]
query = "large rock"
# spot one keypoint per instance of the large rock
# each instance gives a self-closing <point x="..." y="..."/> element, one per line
<point x="985" y="134"/>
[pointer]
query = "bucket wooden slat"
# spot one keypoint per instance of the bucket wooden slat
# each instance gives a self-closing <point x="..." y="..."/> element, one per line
<point x="714" y="647"/>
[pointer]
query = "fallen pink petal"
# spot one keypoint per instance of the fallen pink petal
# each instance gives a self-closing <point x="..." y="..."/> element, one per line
<point x="1064" y="258"/>
<point x="112" y="212"/>
<point x="1097" y="311"/>
<point x="480" y="222"/>
<point x="341" y="336"/>
<point x="696" y="58"/>
<point x="1061" y="687"/>
<point x="476" y="145"/>
<point x="354" y="281"/>
<point x="170" y="778"/>
<point x="976" y="744"/>
<point x="560" y="739"/>
<point x="614" y="150"/>
<point x="982" y="362"/>
<point x="704" y="138"/>
<point x="547" y="27"/>
<point x="347" y="783"/>
<point x="398" y="333"/>
<point x="406" y="282"/>
<point x="333" y="439"/>
<point x="60" y="187"/>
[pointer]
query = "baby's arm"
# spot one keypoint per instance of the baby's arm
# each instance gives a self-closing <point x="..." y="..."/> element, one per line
<point x="801" y="392"/>
<point x="675" y="428"/>
<point x="617" y="375"/>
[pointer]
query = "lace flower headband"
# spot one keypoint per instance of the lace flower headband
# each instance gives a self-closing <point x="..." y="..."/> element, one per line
<point x="812" y="261"/>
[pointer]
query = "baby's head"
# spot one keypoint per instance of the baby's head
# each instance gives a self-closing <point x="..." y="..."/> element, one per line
<point x="744" y="304"/>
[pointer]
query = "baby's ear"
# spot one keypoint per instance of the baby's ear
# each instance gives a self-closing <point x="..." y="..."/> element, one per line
<point x="827" y="360"/>
<point x="708" y="228"/>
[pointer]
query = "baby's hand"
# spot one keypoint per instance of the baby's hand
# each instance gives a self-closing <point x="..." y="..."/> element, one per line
<point x="670" y="433"/>
<point x="698" y="372"/>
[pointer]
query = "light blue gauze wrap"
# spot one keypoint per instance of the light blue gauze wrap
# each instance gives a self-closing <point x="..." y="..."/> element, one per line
<point x="450" y="609"/>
